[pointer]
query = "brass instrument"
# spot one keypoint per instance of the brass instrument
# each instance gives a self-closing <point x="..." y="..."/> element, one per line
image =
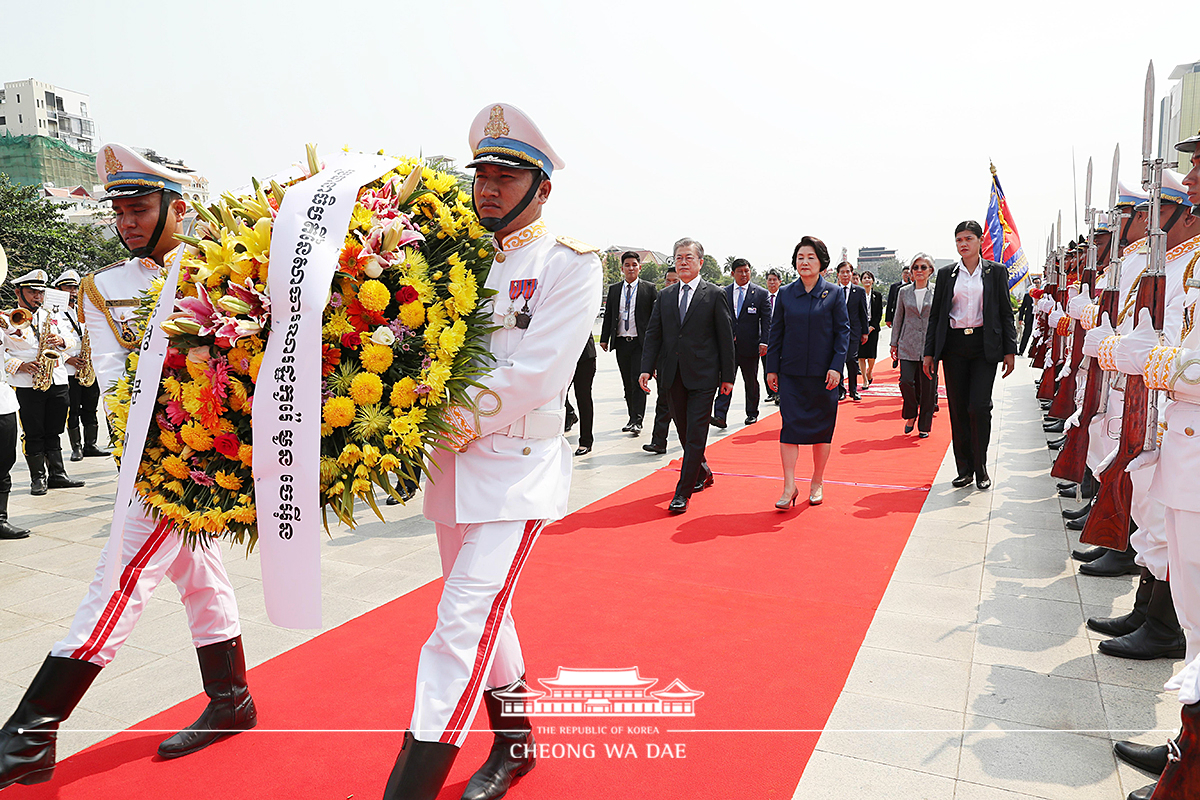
<point x="16" y="319"/>
<point x="85" y="373"/>
<point x="47" y="358"/>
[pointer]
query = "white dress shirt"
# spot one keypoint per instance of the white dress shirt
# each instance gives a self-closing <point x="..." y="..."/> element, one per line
<point x="692" y="285"/>
<point x="966" y="309"/>
<point x="629" y="317"/>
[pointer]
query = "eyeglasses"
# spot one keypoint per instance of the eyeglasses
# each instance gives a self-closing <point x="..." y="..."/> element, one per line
<point x="922" y="267"/>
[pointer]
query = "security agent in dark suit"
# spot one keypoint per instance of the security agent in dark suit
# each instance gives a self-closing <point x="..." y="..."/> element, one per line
<point x="689" y="343"/>
<point x="751" y="315"/>
<point x="856" y="307"/>
<point x="626" y="313"/>
<point x="889" y="313"/>
<point x="662" y="411"/>
<point x="1025" y="317"/>
<point x="971" y="330"/>
<point x="774" y="283"/>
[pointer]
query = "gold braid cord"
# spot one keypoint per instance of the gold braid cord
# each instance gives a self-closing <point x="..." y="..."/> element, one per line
<point x="92" y="293"/>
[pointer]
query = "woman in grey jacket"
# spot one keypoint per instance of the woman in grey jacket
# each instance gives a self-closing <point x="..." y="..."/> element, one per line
<point x="908" y="345"/>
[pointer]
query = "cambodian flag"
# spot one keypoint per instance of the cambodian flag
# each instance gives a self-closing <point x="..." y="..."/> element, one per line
<point x="1001" y="242"/>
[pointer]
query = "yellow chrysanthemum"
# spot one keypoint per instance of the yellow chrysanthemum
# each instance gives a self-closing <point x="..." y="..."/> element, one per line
<point x="239" y="360"/>
<point x="349" y="456"/>
<point x="175" y="467"/>
<point x="374" y="296"/>
<point x="337" y="325"/>
<point x="464" y="291"/>
<point x="228" y="481"/>
<point x="375" y="357"/>
<point x="255" y="363"/>
<point x="435" y="378"/>
<point x="338" y="412"/>
<point x="452" y="338"/>
<point x="196" y="436"/>
<point x="174" y="487"/>
<point x="366" y="388"/>
<point x="361" y="487"/>
<point x="171" y="387"/>
<point x="404" y="393"/>
<point x="370" y="455"/>
<point x="389" y="463"/>
<point x="361" y="217"/>
<point x="170" y="441"/>
<point x="412" y="315"/>
<point x="246" y="454"/>
<point x="242" y="514"/>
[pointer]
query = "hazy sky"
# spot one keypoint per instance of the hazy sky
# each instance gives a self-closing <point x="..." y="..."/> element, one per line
<point x="745" y="125"/>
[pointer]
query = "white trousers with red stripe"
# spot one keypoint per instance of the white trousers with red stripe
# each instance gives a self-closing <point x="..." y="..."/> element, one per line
<point x="474" y="646"/>
<point x="151" y="551"/>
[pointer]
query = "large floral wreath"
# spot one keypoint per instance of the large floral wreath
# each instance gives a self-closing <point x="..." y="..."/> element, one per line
<point x="402" y="339"/>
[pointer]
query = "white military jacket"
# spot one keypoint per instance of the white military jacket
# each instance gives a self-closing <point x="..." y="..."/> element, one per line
<point x="520" y="468"/>
<point x="108" y="298"/>
<point x="22" y="344"/>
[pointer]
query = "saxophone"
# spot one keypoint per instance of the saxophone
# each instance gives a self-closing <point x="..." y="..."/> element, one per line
<point x="85" y="373"/>
<point x="47" y="358"/>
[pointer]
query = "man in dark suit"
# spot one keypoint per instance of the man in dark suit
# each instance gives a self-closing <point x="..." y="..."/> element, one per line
<point x="893" y="292"/>
<point x="626" y="313"/>
<point x="971" y="330"/>
<point x="856" y="306"/>
<point x="689" y="343"/>
<point x="749" y="308"/>
<point x="662" y="411"/>
<point x="774" y="283"/>
<point x="1025" y="316"/>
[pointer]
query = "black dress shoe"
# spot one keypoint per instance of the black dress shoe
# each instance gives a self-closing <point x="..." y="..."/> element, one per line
<point x="1144" y="793"/>
<point x="983" y="481"/>
<point x="1054" y="427"/>
<point x="1077" y="524"/>
<point x="751" y="420"/>
<point x="572" y="418"/>
<point x="841" y="394"/>
<point x="657" y="449"/>
<point x="1111" y="564"/>
<point x="720" y="423"/>
<point x="635" y="429"/>
<point x="627" y="428"/>
<point x="1089" y="555"/>
<point x="962" y="480"/>
<point x="704" y="483"/>
<point x="678" y="505"/>
<point x="1056" y="443"/>
<point x="1067" y="492"/>
<point x="583" y="451"/>
<point x="1147" y="643"/>
<point x="1151" y="758"/>
<point x="1065" y="485"/>
<point x="1076" y="513"/>
<point x="855" y="396"/>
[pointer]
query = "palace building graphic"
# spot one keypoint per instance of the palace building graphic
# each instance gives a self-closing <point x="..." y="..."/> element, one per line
<point x="600" y="692"/>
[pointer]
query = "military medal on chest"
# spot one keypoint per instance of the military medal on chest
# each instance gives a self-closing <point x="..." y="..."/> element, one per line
<point x="519" y="289"/>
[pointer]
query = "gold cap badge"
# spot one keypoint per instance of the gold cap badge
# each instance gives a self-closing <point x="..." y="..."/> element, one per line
<point x="111" y="162"/>
<point x="496" y="126"/>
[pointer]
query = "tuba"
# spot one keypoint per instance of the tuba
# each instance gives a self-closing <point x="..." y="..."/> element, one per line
<point x="47" y="358"/>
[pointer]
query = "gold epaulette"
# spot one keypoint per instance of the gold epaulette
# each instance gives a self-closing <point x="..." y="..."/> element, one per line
<point x="88" y="289"/>
<point x="577" y="246"/>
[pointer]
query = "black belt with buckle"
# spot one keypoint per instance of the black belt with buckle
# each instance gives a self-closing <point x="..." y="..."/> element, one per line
<point x="631" y="338"/>
<point x="964" y="331"/>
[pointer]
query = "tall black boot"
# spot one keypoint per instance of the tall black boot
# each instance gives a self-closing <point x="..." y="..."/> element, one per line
<point x="1151" y="758"/>
<point x="421" y="769"/>
<point x="90" y="450"/>
<point x="1128" y="623"/>
<point x="1160" y="636"/>
<point x="1112" y="563"/>
<point x="37" y="473"/>
<point x="28" y="757"/>
<point x="8" y="530"/>
<point x="230" y="706"/>
<point x="58" y="472"/>
<point x="512" y="749"/>
<point x="76" y="444"/>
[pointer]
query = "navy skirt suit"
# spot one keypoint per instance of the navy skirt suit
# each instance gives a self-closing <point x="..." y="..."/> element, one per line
<point x="810" y="334"/>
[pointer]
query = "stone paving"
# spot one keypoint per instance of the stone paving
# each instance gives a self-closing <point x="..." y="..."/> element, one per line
<point x="977" y="679"/>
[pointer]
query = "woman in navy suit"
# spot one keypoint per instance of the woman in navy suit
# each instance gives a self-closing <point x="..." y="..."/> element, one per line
<point x="810" y="334"/>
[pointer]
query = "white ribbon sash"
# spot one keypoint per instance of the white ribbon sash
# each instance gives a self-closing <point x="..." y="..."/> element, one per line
<point x="305" y="244"/>
<point x="151" y="355"/>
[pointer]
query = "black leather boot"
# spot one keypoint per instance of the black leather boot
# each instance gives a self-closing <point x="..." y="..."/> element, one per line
<point x="58" y="472"/>
<point x="76" y="444"/>
<point x="1160" y="636"/>
<point x="8" y="530"/>
<point x="1056" y="426"/>
<point x="1079" y="523"/>
<point x="1076" y="513"/>
<point x="512" y="750"/>
<point x="37" y="473"/>
<point x="1088" y="554"/>
<point x="28" y="757"/>
<point x="1181" y="778"/>
<point x="1144" y="793"/>
<point x="421" y="769"/>
<point x="1151" y="758"/>
<point x="1112" y="563"/>
<point x="1128" y="623"/>
<point x="90" y="450"/>
<point x="230" y="706"/>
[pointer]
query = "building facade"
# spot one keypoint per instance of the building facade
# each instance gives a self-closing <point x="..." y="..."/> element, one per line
<point x="36" y="108"/>
<point x="1179" y="114"/>
<point x="870" y="257"/>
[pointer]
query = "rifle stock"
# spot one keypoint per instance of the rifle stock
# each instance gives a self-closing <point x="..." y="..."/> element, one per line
<point x="1063" y="404"/>
<point x="1072" y="458"/>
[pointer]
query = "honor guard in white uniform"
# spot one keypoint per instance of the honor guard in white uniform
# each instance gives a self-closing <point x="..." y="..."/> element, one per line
<point x="81" y="379"/>
<point x="40" y="378"/>
<point x="148" y="205"/>
<point x="512" y="472"/>
<point x="8" y="428"/>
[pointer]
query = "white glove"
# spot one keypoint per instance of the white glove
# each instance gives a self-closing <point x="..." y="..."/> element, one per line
<point x="1046" y="304"/>
<point x="1134" y="348"/>
<point x="1055" y="315"/>
<point x="1073" y="420"/>
<point x="1065" y="371"/>
<point x="1077" y="303"/>
<point x="1108" y="459"/>
<point x="1147" y="458"/>
<point x="1094" y="337"/>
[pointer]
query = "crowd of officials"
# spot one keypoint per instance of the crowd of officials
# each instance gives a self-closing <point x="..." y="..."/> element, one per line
<point x="815" y="339"/>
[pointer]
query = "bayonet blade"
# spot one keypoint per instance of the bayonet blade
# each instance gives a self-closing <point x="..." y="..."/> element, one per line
<point x="1147" y="124"/>
<point x="1087" y="192"/>
<point x="1058" y="232"/>
<point x="1112" y="189"/>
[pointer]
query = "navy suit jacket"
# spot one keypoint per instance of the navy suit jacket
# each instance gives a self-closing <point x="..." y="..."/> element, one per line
<point x="857" y="309"/>
<point x="753" y="327"/>
<point x="699" y="348"/>
<point x="810" y="333"/>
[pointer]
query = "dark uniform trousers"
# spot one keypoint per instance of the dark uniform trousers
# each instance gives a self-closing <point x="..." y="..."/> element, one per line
<point x="629" y="361"/>
<point x="8" y="450"/>
<point x="749" y="370"/>
<point x="691" y="409"/>
<point x="84" y="402"/>
<point x="662" y="417"/>
<point x="969" y="380"/>
<point x="43" y="417"/>
<point x="585" y="372"/>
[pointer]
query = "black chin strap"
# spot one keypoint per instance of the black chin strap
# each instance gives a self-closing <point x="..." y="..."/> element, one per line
<point x="164" y="205"/>
<point x="494" y="224"/>
<point x="1174" y="218"/>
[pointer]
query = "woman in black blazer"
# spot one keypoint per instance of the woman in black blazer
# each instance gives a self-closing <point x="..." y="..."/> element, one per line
<point x="810" y="334"/>
<point x="868" y="350"/>
<point x="971" y="330"/>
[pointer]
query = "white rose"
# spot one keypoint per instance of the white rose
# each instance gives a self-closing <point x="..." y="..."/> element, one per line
<point x="384" y="336"/>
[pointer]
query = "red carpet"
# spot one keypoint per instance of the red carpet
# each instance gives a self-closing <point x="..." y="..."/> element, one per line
<point x="762" y="611"/>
